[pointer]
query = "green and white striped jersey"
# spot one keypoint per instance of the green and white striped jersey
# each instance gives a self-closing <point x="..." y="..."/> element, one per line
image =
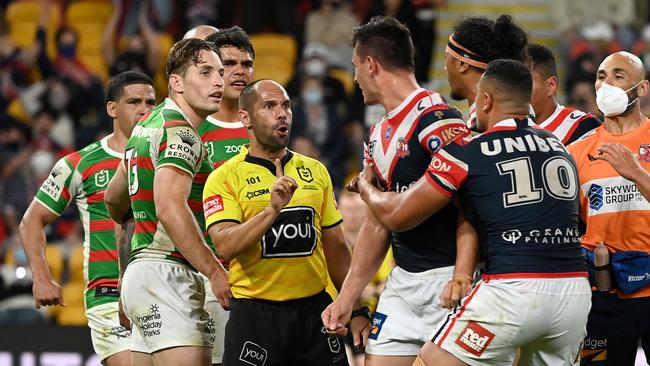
<point x="222" y="140"/>
<point x="164" y="138"/>
<point x="82" y="177"/>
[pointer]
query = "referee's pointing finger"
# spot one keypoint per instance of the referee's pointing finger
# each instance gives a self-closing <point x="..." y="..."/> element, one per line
<point x="278" y="168"/>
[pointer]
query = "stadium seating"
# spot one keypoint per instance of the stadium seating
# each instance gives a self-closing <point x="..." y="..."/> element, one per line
<point x="88" y="19"/>
<point x="76" y="265"/>
<point x="74" y="312"/>
<point x="23" y="18"/>
<point x="345" y="78"/>
<point x="275" y="56"/>
<point x="53" y="256"/>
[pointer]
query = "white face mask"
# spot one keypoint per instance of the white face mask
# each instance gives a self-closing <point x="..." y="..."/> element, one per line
<point x="612" y="100"/>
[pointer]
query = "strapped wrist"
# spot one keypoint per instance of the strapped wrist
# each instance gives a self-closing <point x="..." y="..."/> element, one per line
<point x="363" y="311"/>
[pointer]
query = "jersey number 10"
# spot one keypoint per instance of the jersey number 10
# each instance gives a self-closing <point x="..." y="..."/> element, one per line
<point x="558" y="174"/>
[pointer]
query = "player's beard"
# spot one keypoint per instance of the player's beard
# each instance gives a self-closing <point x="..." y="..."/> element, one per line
<point x="269" y="141"/>
<point x="632" y="95"/>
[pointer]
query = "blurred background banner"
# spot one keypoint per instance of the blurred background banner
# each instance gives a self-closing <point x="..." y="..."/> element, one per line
<point x="46" y="346"/>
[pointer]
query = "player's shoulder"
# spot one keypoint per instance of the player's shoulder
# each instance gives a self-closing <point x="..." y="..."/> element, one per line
<point x="306" y="161"/>
<point x="231" y="166"/>
<point x="585" y="141"/>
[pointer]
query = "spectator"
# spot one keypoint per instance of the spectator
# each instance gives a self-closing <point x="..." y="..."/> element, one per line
<point x="86" y="89"/>
<point x="588" y="52"/>
<point x="403" y="11"/>
<point x="642" y="47"/>
<point x="14" y="66"/>
<point x="160" y="14"/>
<point x="317" y="129"/>
<point x="315" y="64"/>
<point x="269" y="16"/>
<point x="142" y="52"/>
<point x="16" y="300"/>
<point x="332" y="25"/>
<point x="15" y="180"/>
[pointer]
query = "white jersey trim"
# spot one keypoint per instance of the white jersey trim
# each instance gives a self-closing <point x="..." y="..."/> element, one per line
<point x="109" y="151"/>
<point x="224" y="124"/>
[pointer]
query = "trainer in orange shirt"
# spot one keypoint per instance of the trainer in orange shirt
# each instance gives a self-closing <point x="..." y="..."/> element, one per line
<point x="616" y="211"/>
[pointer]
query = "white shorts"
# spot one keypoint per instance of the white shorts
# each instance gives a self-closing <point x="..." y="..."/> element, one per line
<point x="408" y="308"/>
<point x="108" y="336"/>
<point x="546" y="318"/>
<point x="165" y="303"/>
<point x="218" y="317"/>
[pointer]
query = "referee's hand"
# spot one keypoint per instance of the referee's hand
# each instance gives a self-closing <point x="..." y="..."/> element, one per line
<point x="283" y="188"/>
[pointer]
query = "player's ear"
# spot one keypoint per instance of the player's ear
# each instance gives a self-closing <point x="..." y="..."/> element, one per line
<point x="461" y="66"/>
<point x="551" y="86"/>
<point x="372" y="65"/>
<point x="489" y="102"/>
<point x="176" y="83"/>
<point x="643" y="88"/>
<point x="111" y="107"/>
<point x="244" y="117"/>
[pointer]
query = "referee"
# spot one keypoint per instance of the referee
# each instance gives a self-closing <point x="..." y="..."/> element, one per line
<point x="272" y="212"/>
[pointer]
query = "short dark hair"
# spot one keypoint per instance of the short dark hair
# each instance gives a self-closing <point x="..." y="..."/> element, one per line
<point x="387" y="40"/>
<point x="232" y="37"/>
<point x="500" y="39"/>
<point x="512" y="78"/>
<point x="183" y="53"/>
<point x="541" y="59"/>
<point x="118" y="82"/>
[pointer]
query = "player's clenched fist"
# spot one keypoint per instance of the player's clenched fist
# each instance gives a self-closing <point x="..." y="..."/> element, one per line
<point x="283" y="188"/>
<point x="46" y="293"/>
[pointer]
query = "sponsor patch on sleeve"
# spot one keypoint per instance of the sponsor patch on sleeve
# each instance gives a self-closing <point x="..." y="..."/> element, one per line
<point x="212" y="205"/>
<point x="184" y="144"/>
<point x="55" y="182"/>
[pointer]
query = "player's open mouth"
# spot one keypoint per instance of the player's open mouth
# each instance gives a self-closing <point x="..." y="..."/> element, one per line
<point x="239" y="84"/>
<point x="217" y="95"/>
<point x="283" y="130"/>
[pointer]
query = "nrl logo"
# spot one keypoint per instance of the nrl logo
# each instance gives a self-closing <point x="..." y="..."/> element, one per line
<point x="305" y="174"/>
<point x="187" y="138"/>
<point x="102" y="178"/>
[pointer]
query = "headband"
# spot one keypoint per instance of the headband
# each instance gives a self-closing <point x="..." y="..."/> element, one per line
<point x="457" y="51"/>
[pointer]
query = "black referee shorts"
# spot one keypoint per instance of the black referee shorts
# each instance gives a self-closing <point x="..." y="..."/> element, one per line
<point x="614" y="330"/>
<point x="280" y="333"/>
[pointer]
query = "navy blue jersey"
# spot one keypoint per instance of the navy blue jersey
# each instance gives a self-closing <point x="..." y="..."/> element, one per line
<point x="519" y="188"/>
<point x="569" y="124"/>
<point x="400" y="147"/>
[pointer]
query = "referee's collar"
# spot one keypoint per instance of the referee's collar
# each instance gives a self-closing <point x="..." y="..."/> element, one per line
<point x="267" y="163"/>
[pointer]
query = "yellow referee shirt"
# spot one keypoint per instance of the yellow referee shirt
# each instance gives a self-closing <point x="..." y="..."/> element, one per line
<point x="288" y="263"/>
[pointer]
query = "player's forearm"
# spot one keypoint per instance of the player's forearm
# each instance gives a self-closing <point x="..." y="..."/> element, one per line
<point x="177" y="219"/>
<point x="467" y="249"/>
<point x="116" y="197"/>
<point x="642" y="181"/>
<point x="32" y="235"/>
<point x="368" y="255"/>
<point x="232" y="240"/>
<point x="124" y="245"/>
<point x="385" y="207"/>
<point x="338" y="258"/>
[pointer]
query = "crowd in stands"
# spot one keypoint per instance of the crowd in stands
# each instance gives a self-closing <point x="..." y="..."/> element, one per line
<point x="56" y="57"/>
